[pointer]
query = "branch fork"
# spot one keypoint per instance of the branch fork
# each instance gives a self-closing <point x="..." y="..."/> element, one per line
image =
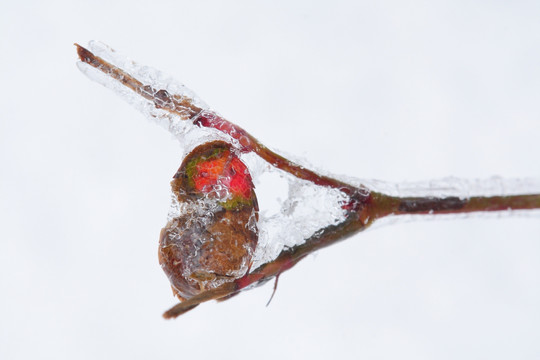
<point x="364" y="206"/>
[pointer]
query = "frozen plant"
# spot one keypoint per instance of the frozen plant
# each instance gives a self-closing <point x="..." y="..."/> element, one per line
<point x="216" y="242"/>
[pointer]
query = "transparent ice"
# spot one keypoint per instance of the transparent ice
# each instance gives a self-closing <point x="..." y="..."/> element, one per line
<point x="455" y="187"/>
<point x="188" y="135"/>
<point x="291" y="210"/>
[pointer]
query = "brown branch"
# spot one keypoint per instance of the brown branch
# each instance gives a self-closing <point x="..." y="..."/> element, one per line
<point x="285" y="261"/>
<point x="161" y="98"/>
<point x="363" y="208"/>
<point x="384" y="205"/>
<point x="185" y="108"/>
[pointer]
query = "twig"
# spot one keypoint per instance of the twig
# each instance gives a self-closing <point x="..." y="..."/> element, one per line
<point x="362" y="209"/>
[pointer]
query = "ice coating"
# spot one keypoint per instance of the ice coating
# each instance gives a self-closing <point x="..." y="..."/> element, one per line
<point x="455" y="187"/>
<point x="291" y="209"/>
<point x="299" y="214"/>
<point x="214" y="245"/>
<point x="303" y="209"/>
<point x="146" y="74"/>
<point x="211" y="237"/>
<point x="184" y="131"/>
<point x="452" y="186"/>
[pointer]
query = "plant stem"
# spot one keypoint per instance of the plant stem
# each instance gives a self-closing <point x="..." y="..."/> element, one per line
<point x="285" y="261"/>
<point x="186" y="110"/>
<point x="363" y="208"/>
<point x="182" y="107"/>
<point x="384" y="205"/>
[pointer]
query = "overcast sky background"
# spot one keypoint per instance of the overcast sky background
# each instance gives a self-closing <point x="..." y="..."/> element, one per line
<point x="393" y="90"/>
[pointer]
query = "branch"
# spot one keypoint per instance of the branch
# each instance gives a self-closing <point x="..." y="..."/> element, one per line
<point x="364" y="206"/>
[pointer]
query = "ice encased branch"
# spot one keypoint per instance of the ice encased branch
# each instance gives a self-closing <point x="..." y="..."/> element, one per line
<point x="306" y="207"/>
<point x="152" y="81"/>
<point x="452" y="186"/>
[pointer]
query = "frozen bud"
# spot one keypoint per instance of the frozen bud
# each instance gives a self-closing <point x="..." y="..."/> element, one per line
<point x="213" y="239"/>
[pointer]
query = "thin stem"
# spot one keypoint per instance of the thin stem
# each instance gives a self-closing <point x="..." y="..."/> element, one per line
<point x="358" y="196"/>
<point x="180" y="106"/>
<point x="364" y="206"/>
<point x="224" y="290"/>
<point x="384" y="205"/>
<point x="285" y="261"/>
<point x="186" y="110"/>
<point x="377" y="206"/>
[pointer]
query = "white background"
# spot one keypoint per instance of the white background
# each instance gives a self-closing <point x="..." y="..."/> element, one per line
<point x="394" y="90"/>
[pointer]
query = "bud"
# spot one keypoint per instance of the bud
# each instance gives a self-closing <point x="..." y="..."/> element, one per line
<point x="213" y="239"/>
